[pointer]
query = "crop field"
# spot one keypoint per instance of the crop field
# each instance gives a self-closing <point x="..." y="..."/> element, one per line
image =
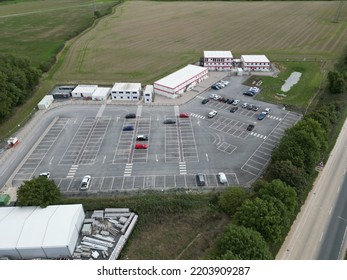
<point x="144" y="40"/>
<point x="38" y="29"/>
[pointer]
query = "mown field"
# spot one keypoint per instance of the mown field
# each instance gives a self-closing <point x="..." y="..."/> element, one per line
<point x="166" y="35"/>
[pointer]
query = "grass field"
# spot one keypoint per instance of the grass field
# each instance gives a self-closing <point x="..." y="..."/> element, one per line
<point x="38" y="29"/>
<point x="166" y="35"/>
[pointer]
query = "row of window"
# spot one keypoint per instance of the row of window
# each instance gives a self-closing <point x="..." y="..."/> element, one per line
<point x="125" y="97"/>
<point x="127" y="92"/>
<point x="218" y="59"/>
<point x="256" y="63"/>
<point x="212" y="64"/>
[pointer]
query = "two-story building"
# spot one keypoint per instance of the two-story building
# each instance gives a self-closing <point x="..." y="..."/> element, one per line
<point x="255" y="63"/>
<point x="126" y="91"/>
<point x="218" y="60"/>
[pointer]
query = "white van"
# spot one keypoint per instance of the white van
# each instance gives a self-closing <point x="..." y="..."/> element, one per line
<point x="222" y="178"/>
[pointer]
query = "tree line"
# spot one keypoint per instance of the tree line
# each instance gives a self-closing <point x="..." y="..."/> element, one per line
<point x="18" y="80"/>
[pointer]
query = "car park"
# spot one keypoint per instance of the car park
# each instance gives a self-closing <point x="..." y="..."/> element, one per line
<point x="234" y="109"/>
<point x="130" y="116"/>
<point x="205" y="100"/>
<point x="212" y="114"/>
<point x="45" y="174"/>
<point x="250" y="127"/>
<point x="200" y="179"/>
<point x="169" y="121"/>
<point x="236" y="101"/>
<point x="141" y="146"/>
<point x="85" y="182"/>
<point x="184" y="115"/>
<point x="261" y="116"/>
<point x="142" y="138"/>
<point x="128" y="128"/>
<point x="222" y="178"/>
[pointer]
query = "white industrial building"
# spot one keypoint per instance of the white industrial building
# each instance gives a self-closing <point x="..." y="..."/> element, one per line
<point x="85" y="91"/>
<point x="45" y="102"/>
<point x="101" y="93"/>
<point x="34" y="232"/>
<point x="255" y="63"/>
<point x="218" y="60"/>
<point x="148" y="94"/>
<point x="126" y="91"/>
<point x="180" y="81"/>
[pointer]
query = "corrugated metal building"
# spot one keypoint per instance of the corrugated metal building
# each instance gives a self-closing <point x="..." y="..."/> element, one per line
<point x="34" y="232"/>
<point x="85" y="91"/>
<point x="180" y="81"/>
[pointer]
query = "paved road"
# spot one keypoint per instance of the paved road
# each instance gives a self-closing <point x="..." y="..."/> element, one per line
<point x="310" y="230"/>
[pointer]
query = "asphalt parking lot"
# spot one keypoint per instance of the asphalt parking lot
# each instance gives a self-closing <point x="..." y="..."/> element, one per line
<point x="94" y="143"/>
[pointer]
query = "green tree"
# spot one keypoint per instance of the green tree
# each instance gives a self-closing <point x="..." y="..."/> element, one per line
<point x="231" y="199"/>
<point x="263" y="216"/>
<point x="241" y="243"/>
<point x="291" y="175"/>
<point x="39" y="191"/>
<point x="337" y="84"/>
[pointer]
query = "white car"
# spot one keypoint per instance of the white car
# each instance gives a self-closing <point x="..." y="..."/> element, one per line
<point x="222" y="178"/>
<point x="45" y="174"/>
<point x="212" y="114"/>
<point x="244" y="105"/>
<point x="224" y="82"/>
<point x="267" y="110"/>
<point x="235" y="102"/>
<point x="85" y="182"/>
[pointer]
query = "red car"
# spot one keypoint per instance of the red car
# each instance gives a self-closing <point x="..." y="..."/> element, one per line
<point x="141" y="146"/>
<point x="184" y="115"/>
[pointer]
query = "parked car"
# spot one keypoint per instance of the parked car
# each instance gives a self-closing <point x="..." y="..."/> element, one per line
<point x="216" y="87"/>
<point x="141" y="146"/>
<point x="212" y="114"/>
<point x="222" y="178"/>
<point x="255" y="108"/>
<point x="250" y="106"/>
<point x="267" y="110"/>
<point x="224" y="82"/>
<point x="128" y="127"/>
<point x="236" y="101"/>
<point x="85" y="182"/>
<point x="205" y="100"/>
<point x="248" y="93"/>
<point x="169" y="121"/>
<point x="200" y="179"/>
<point x="130" y="116"/>
<point x="142" y="138"/>
<point x="230" y="101"/>
<point x="45" y="174"/>
<point x="250" y="127"/>
<point x="184" y="115"/>
<point x="234" y="109"/>
<point x="261" y="116"/>
<point x="244" y="105"/>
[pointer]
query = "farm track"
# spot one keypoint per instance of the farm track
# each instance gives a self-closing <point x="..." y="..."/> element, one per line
<point x="166" y="34"/>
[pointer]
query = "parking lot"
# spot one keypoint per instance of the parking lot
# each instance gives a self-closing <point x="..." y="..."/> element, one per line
<point x="94" y="143"/>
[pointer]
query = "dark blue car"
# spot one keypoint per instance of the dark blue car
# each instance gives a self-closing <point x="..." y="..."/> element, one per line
<point x="128" y="127"/>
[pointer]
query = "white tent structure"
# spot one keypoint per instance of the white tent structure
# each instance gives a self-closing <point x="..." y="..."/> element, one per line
<point x="34" y="232"/>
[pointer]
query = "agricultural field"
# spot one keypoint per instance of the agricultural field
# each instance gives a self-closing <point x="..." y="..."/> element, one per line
<point x="39" y="29"/>
<point x="164" y="36"/>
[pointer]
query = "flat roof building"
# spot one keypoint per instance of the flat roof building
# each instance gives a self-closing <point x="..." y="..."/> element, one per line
<point x="218" y="60"/>
<point x="180" y="81"/>
<point x="85" y="91"/>
<point x="255" y="63"/>
<point x="126" y="91"/>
